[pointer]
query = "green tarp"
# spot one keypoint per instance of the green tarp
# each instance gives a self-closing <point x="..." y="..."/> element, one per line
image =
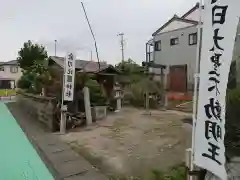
<point x="18" y="158"/>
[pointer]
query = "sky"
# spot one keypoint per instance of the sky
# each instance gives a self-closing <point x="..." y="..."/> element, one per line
<point x="43" y="21"/>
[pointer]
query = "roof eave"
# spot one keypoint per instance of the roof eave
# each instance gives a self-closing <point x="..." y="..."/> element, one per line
<point x="173" y="19"/>
<point x="192" y="10"/>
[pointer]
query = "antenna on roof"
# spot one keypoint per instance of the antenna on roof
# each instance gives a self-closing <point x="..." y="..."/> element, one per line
<point x="95" y="42"/>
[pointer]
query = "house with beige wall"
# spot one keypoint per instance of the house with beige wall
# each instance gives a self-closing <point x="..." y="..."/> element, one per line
<point x="10" y="73"/>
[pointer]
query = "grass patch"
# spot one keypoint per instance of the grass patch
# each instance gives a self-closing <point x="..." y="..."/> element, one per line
<point x="7" y="92"/>
<point x="177" y="173"/>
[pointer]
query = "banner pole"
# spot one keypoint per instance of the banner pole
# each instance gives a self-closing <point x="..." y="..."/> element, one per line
<point x="196" y="83"/>
<point x="63" y="118"/>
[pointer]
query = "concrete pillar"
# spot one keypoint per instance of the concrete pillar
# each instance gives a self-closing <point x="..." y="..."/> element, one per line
<point x="43" y="92"/>
<point x="118" y="101"/>
<point x="166" y="100"/>
<point x="87" y="105"/>
<point x="12" y="83"/>
<point x="119" y="104"/>
<point x="164" y="81"/>
<point x="63" y="122"/>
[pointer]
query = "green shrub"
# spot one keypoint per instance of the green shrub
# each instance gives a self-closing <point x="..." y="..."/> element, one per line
<point x="24" y="83"/>
<point x="156" y="175"/>
<point x="178" y="173"/>
<point x="27" y="82"/>
<point x="81" y="79"/>
<point x="97" y="96"/>
<point x="232" y="139"/>
<point x="35" y="78"/>
<point x="135" y="94"/>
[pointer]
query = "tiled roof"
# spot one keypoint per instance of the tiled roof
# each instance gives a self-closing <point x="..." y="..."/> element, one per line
<point x="12" y="62"/>
<point x="6" y="78"/>
<point x="87" y="66"/>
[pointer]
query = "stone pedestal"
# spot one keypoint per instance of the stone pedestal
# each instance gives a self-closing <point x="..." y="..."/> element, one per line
<point x="99" y="113"/>
<point x="118" y="98"/>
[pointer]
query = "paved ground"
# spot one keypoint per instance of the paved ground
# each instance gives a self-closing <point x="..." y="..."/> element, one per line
<point x="133" y="143"/>
<point x="6" y="99"/>
<point x="61" y="160"/>
<point x="19" y="160"/>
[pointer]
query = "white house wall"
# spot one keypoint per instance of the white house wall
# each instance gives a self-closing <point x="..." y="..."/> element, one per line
<point x="180" y="54"/>
<point x="7" y="74"/>
<point x="175" y="25"/>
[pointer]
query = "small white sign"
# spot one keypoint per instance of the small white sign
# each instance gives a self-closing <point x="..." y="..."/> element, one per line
<point x="69" y="77"/>
<point x="221" y="18"/>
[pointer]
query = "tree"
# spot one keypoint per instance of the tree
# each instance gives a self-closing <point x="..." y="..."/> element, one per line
<point x="33" y="60"/>
<point x="232" y="78"/>
<point x="232" y="138"/>
<point x="131" y="72"/>
<point x="130" y="67"/>
<point x="97" y="96"/>
<point x="35" y="78"/>
<point x="31" y="53"/>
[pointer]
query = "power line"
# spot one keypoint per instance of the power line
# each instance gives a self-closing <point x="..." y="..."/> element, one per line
<point x="95" y="42"/>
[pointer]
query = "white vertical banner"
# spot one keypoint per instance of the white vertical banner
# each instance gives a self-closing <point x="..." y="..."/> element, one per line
<point x="69" y="77"/>
<point x="220" y="19"/>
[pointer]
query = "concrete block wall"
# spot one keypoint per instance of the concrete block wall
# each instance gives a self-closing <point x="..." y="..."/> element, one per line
<point x="99" y="112"/>
<point x="39" y="108"/>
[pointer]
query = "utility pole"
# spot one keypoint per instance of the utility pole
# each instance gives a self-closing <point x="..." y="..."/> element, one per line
<point x="55" y="47"/>
<point x="122" y="44"/>
<point x="91" y="55"/>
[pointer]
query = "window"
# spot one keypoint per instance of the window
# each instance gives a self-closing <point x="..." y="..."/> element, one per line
<point x="157" y="46"/>
<point x="1" y="68"/>
<point x="174" y="41"/>
<point x="192" y="39"/>
<point x="13" y="69"/>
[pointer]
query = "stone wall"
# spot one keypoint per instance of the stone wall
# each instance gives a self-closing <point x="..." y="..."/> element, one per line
<point x="39" y="108"/>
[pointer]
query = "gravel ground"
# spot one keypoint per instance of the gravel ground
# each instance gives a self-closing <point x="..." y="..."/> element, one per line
<point x="134" y="142"/>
